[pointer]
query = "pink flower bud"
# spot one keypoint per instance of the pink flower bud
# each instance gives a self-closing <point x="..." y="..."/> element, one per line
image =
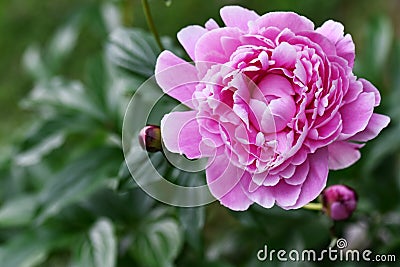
<point x="339" y="202"/>
<point x="150" y="138"/>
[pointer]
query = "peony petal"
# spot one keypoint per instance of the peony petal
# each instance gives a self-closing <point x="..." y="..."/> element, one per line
<point x="263" y="195"/>
<point x="355" y="89"/>
<point x="261" y="117"/>
<point x="285" y="194"/>
<point x="180" y="87"/>
<point x="300" y="174"/>
<point x="180" y="133"/>
<point x="275" y="85"/>
<point x="271" y="180"/>
<point x="288" y="171"/>
<point x="345" y="48"/>
<point x="370" y="88"/>
<point x="282" y="20"/>
<point x="223" y="179"/>
<point x="284" y="55"/>
<point x="343" y="154"/>
<point x="230" y="44"/>
<point x="211" y="24"/>
<point x="316" y="179"/>
<point x="334" y="31"/>
<point x="188" y="38"/>
<point x="327" y="46"/>
<point x="283" y="110"/>
<point x="374" y="127"/>
<point x="209" y="47"/>
<point x="357" y="114"/>
<point x="237" y="16"/>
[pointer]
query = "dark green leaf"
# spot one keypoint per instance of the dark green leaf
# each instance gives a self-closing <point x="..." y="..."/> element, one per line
<point x="18" y="211"/>
<point x="158" y="243"/>
<point x="192" y="220"/>
<point x="32" y="246"/>
<point x="133" y="50"/>
<point x="58" y="96"/>
<point x="79" y="179"/>
<point x="104" y="243"/>
<point x="62" y="43"/>
<point x="82" y="256"/>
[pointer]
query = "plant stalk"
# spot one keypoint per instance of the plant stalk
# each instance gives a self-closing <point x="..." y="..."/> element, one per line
<point x="150" y="23"/>
<point x="313" y="206"/>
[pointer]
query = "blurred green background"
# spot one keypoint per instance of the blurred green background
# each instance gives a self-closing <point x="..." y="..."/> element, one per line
<point x="66" y="197"/>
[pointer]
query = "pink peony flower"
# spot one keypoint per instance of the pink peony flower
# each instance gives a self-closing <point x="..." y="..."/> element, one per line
<point x="274" y="104"/>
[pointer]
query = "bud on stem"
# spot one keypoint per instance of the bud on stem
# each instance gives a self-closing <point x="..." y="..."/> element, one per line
<point x="339" y="202"/>
<point x="150" y="138"/>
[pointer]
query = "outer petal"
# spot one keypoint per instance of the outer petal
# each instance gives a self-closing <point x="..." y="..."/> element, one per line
<point x="374" y="127"/>
<point x="210" y="48"/>
<point x="343" y="154"/>
<point x="237" y="16"/>
<point x="334" y="31"/>
<point x="370" y="88"/>
<point x="316" y="179"/>
<point x="284" y="20"/>
<point x="180" y="133"/>
<point x="262" y="195"/>
<point x="189" y="36"/>
<point x="285" y="194"/>
<point x="223" y="180"/>
<point x="345" y="48"/>
<point x="178" y="86"/>
<point x="211" y="25"/>
<point x="357" y="114"/>
<point x="266" y="196"/>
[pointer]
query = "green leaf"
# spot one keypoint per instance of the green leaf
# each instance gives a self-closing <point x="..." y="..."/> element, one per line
<point x="82" y="256"/>
<point x="133" y="50"/>
<point x="108" y="90"/>
<point x="168" y="3"/>
<point x="128" y="208"/>
<point x="32" y="61"/>
<point x="192" y="220"/>
<point x="32" y="246"/>
<point x="18" y="211"/>
<point x="104" y="243"/>
<point x="63" y="42"/>
<point x="157" y="243"/>
<point x="57" y="96"/>
<point x="79" y="179"/>
<point x="36" y="153"/>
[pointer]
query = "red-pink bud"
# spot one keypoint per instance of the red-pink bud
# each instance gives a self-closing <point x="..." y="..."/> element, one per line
<point x="339" y="202"/>
<point x="150" y="138"/>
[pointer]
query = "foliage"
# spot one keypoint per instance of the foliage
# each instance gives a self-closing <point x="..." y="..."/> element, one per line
<point x="67" y="198"/>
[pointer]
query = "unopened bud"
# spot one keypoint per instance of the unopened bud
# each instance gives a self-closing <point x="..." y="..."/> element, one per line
<point x="150" y="138"/>
<point x="339" y="202"/>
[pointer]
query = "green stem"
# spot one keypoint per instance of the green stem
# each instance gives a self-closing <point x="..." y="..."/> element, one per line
<point x="150" y="23"/>
<point x="126" y="11"/>
<point x="313" y="206"/>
